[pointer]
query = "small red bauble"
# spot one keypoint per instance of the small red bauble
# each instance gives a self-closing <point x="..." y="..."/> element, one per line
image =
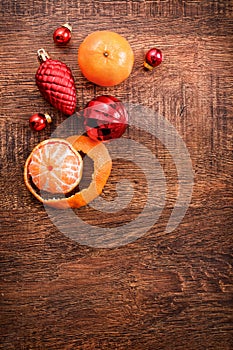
<point x="105" y="118"/>
<point x="62" y="35"/>
<point x="56" y="83"/>
<point x="39" y="121"/>
<point x="153" y="58"/>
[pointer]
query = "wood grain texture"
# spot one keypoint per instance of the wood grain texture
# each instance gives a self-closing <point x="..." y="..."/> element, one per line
<point x="169" y="291"/>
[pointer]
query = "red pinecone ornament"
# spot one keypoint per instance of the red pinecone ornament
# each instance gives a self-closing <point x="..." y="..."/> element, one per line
<point x="56" y="83"/>
<point x="105" y="118"/>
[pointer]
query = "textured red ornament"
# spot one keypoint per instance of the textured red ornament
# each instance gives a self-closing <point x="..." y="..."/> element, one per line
<point x="39" y="121"/>
<point x="105" y="118"/>
<point x="56" y="83"/>
<point x="153" y="58"/>
<point x="62" y="35"/>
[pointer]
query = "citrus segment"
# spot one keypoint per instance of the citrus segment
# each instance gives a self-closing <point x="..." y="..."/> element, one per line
<point x="55" y="166"/>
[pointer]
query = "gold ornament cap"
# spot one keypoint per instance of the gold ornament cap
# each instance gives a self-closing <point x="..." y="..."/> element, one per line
<point x="68" y="26"/>
<point x="42" y="55"/>
<point x="147" y="66"/>
<point x="48" y="118"/>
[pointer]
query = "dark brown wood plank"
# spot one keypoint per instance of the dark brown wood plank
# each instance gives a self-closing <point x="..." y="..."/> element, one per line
<point x="166" y="290"/>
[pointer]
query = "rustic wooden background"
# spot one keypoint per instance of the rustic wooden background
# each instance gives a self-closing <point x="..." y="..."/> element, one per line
<point x="170" y="291"/>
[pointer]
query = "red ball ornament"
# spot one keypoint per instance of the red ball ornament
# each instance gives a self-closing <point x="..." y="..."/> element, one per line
<point x="56" y="83"/>
<point x="39" y="121"/>
<point x="62" y="35"/>
<point x="153" y="58"/>
<point x="105" y="118"/>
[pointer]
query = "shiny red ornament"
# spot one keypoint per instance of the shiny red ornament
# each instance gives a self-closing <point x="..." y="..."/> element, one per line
<point x="62" y="35"/>
<point x="105" y="118"/>
<point x="39" y="121"/>
<point x="56" y="83"/>
<point x="153" y="58"/>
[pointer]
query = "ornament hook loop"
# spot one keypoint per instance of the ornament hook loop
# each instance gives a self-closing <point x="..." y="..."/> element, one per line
<point x="42" y="55"/>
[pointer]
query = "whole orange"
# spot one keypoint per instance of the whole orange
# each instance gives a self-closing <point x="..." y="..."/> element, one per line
<point x="105" y="58"/>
